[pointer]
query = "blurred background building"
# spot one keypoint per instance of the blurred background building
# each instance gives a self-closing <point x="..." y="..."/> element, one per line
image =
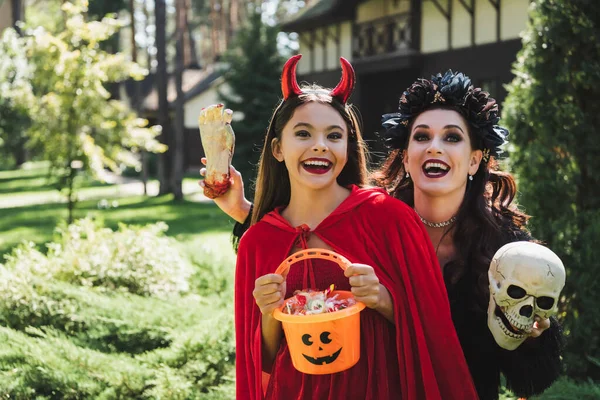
<point x="392" y="42"/>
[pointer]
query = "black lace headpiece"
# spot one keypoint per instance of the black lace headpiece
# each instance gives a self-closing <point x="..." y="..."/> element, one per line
<point x="456" y="92"/>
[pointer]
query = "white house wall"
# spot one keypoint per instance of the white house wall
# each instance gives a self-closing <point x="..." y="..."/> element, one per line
<point x="434" y="26"/>
<point x="461" y="25"/>
<point x="318" y="51"/>
<point x="345" y="41"/>
<point x="332" y="51"/>
<point x="304" y="67"/>
<point x="209" y="96"/>
<point x="514" y="18"/>
<point x="485" y="22"/>
<point x="314" y="61"/>
<point x="375" y="9"/>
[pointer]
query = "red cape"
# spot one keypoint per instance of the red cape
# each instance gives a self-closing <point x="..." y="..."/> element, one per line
<point x="419" y="358"/>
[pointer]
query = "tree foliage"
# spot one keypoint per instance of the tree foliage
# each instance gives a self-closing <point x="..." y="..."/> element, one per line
<point x="554" y="115"/>
<point x="75" y="123"/>
<point x="253" y="75"/>
<point x="16" y="96"/>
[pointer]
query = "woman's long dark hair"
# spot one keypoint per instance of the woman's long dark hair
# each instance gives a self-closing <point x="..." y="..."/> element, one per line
<point x="273" y="181"/>
<point x="486" y="220"/>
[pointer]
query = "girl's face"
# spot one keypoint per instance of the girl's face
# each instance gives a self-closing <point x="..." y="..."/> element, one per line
<point x="314" y="146"/>
<point x="439" y="156"/>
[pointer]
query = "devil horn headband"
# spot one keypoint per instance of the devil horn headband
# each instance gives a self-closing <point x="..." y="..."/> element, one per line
<point x="343" y="90"/>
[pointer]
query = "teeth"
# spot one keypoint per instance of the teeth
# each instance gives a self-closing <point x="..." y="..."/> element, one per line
<point x="317" y="163"/>
<point x="436" y="165"/>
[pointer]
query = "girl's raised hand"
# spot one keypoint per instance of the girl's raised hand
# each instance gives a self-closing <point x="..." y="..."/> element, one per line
<point x="232" y="203"/>
<point x="269" y="292"/>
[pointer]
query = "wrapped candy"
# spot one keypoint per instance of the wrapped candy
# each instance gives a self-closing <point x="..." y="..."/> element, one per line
<point x="311" y="302"/>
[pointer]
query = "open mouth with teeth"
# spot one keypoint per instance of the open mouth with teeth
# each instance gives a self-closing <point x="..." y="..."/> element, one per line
<point x="323" y="360"/>
<point x="320" y="166"/>
<point x="507" y="327"/>
<point x="435" y="169"/>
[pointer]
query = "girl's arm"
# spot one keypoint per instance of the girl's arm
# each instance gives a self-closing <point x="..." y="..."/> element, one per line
<point x="269" y="292"/>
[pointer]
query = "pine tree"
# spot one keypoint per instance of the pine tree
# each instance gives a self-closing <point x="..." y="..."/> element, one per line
<point x="554" y="115"/>
<point x="253" y="75"/>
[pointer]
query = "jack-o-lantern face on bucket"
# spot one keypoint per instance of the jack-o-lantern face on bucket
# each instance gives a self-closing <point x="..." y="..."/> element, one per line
<point x="320" y="356"/>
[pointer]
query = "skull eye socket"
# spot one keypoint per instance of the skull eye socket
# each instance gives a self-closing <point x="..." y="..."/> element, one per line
<point x="306" y="339"/>
<point x="516" y="292"/>
<point x="325" y="337"/>
<point x="545" y="302"/>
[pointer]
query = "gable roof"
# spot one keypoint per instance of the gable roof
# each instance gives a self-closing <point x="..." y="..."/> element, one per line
<point x="319" y="13"/>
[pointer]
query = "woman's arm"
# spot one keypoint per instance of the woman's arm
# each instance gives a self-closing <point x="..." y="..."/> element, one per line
<point x="367" y="289"/>
<point x="535" y="364"/>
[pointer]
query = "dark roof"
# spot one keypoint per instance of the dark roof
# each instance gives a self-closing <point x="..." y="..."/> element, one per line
<point x="195" y="81"/>
<point x="319" y="13"/>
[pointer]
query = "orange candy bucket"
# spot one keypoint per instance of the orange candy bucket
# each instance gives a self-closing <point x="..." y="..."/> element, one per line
<point x="322" y="343"/>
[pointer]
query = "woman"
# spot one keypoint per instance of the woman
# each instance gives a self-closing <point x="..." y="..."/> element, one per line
<point x="309" y="195"/>
<point x="445" y="141"/>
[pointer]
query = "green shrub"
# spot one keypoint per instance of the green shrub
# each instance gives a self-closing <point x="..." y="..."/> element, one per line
<point x="566" y="389"/>
<point x="138" y="260"/>
<point x="68" y="337"/>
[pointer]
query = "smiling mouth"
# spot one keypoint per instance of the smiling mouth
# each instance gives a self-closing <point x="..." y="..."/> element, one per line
<point x="317" y="166"/>
<point x="435" y="169"/>
<point x="323" y="360"/>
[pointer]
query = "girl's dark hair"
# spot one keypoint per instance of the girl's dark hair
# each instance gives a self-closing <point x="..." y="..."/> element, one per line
<point x="273" y="182"/>
<point x="486" y="220"/>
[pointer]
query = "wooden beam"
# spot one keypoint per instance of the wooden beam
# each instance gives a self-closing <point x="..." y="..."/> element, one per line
<point x="415" y="24"/>
<point x="338" y="40"/>
<point x="445" y="13"/>
<point x="470" y="8"/>
<point x="450" y="24"/>
<point x="498" y="20"/>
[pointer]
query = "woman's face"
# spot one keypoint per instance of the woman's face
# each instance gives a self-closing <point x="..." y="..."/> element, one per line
<point x="439" y="156"/>
<point x="314" y="146"/>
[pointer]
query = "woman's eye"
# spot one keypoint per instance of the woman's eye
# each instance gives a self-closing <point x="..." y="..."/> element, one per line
<point x="453" y="137"/>
<point x="335" y="136"/>
<point x="420" y="137"/>
<point x="302" y="134"/>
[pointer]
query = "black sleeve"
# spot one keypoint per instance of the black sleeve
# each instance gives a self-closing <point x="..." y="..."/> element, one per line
<point x="240" y="229"/>
<point x="535" y="364"/>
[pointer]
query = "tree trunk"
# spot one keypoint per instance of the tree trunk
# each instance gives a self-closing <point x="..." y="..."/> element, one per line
<point x="137" y="89"/>
<point x="164" y="164"/>
<point x="71" y="196"/>
<point x="178" y="137"/>
<point x="17" y="14"/>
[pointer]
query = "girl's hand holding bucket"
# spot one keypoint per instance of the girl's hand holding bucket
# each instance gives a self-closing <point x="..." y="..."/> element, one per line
<point x="269" y="292"/>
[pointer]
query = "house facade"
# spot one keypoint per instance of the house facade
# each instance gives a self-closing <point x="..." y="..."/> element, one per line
<point x="390" y="43"/>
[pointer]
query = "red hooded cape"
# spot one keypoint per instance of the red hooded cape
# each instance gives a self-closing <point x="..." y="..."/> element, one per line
<point x="419" y="358"/>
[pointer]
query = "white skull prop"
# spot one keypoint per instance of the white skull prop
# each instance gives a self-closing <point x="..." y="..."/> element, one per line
<point x="525" y="280"/>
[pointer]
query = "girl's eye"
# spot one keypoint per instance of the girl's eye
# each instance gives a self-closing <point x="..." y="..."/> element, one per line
<point x="453" y="137"/>
<point x="302" y="134"/>
<point x="335" y="136"/>
<point x="420" y="137"/>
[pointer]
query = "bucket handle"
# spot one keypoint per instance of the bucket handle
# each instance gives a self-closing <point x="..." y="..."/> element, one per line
<point x="312" y="253"/>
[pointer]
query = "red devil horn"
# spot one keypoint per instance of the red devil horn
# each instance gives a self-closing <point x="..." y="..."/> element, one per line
<point x="289" y="84"/>
<point x="344" y="89"/>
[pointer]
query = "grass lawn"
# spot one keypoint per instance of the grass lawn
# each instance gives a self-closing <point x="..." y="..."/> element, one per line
<point x="187" y="220"/>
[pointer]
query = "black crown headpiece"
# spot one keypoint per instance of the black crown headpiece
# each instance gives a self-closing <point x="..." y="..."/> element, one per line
<point x="456" y="92"/>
